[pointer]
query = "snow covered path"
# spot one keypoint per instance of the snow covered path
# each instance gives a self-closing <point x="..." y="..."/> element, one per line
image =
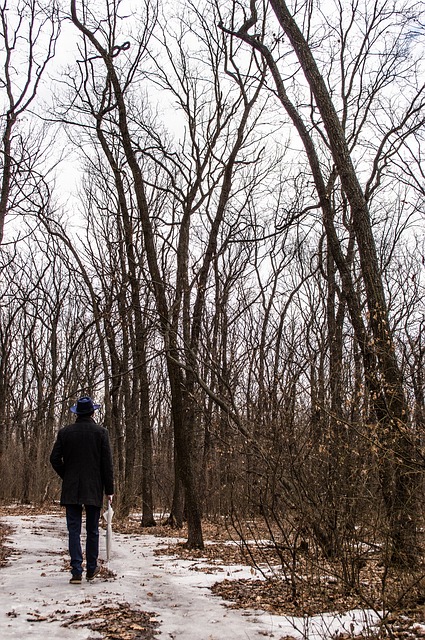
<point x="36" y="597"/>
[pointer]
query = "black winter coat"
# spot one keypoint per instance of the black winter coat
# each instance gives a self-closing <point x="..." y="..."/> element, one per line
<point x="82" y="457"/>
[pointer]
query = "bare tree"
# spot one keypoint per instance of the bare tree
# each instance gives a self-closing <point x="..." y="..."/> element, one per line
<point x="382" y="369"/>
<point x="29" y="32"/>
<point x="211" y="164"/>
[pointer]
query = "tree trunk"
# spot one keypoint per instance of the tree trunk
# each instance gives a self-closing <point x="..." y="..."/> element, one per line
<point x="398" y="481"/>
<point x="175" y="519"/>
<point x="383" y="375"/>
<point x="148" y="519"/>
<point x="195" y="538"/>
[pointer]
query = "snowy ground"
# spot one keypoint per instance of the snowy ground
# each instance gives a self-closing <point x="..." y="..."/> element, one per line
<point x="36" y="597"/>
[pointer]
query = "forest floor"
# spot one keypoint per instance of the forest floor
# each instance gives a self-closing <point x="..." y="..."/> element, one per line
<point x="155" y="588"/>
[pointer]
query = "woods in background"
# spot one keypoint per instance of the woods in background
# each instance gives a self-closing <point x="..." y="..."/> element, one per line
<point x="239" y="277"/>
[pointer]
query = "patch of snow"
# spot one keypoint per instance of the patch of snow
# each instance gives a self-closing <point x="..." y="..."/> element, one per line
<point x="37" y="597"/>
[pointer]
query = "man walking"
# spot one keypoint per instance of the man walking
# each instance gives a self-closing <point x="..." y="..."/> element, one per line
<point x="82" y="457"/>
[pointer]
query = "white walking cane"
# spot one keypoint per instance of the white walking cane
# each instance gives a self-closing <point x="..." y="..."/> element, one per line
<point x="108" y="515"/>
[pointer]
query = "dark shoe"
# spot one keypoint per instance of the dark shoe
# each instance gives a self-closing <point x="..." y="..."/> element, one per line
<point x="90" y="575"/>
<point x="76" y="579"/>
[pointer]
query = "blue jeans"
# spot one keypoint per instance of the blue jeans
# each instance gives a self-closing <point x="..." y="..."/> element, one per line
<point x="74" y="514"/>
